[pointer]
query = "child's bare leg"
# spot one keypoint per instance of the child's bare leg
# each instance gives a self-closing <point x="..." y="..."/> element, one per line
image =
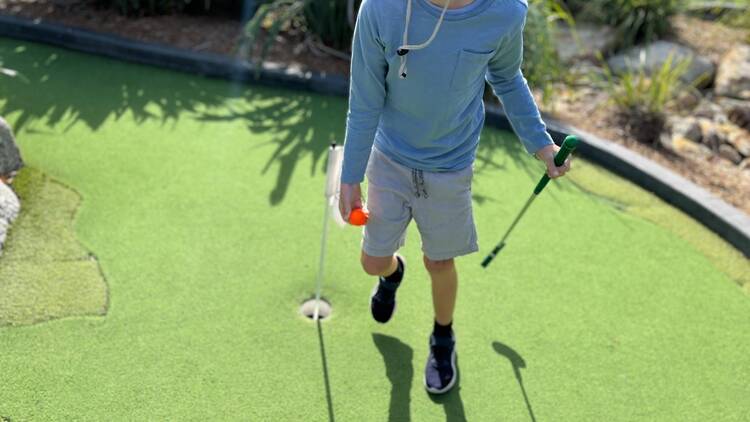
<point x="390" y="272"/>
<point x="444" y="288"/>
<point x="378" y="265"/>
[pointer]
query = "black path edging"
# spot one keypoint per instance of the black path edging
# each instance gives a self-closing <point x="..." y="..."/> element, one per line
<point x="728" y="222"/>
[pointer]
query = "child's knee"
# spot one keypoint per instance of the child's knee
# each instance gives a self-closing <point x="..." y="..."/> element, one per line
<point x="376" y="265"/>
<point x="438" y="266"/>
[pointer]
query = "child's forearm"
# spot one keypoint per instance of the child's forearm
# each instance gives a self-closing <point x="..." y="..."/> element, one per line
<point x="523" y="113"/>
<point x="507" y="81"/>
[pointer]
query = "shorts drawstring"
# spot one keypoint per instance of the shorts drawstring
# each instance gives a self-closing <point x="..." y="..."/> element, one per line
<point x="417" y="177"/>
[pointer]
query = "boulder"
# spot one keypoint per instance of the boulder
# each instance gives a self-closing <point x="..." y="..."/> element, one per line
<point x="584" y="41"/>
<point x="740" y="140"/>
<point x="3" y="234"/>
<point x="9" y="208"/>
<point x="9" y="203"/>
<point x="10" y="157"/>
<point x="652" y="57"/>
<point x="688" y="128"/>
<point x="729" y="153"/>
<point x="733" y="76"/>
<point x="709" y="110"/>
<point x="740" y="116"/>
<point x="688" y="100"/>
<point x="713" y="139"/>
<point x="688" y="148"/>
<point x="717" y="134"/>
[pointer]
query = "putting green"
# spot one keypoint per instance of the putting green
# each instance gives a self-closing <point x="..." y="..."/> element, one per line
<point x="202" y="202"/>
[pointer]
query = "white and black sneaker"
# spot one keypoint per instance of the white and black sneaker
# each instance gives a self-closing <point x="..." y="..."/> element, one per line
<point x="383" y="297"/>
<point x="441" y="372"/>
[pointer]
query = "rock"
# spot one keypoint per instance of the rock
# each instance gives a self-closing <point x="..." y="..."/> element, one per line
<point x="709" y="110"/>
<point x="714" y="10"/>
<point x="9" y="209"/>
<point x="740" y="116"/>
<point x="740" y="140"/>
<point x="3" y="234"/>
<point x="10" y="157"/>
<point x="9" y="203"/>
<point x="652" y="57"/>
<point x="733" y="76"/>
<point x="687" y="147"/>
<point x="584" y="42"/>
<point x="688" y="100"/>
<point x="687" y="128"/>
<point x="713" y="140"/>
<point x="745" y="164"/>
<point x="729" y="153"/>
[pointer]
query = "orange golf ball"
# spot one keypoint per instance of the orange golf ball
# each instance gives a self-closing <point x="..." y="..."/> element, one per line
<point x="358" y="217"/>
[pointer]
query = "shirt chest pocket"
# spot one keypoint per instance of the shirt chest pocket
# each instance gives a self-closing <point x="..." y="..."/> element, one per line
<point x="470" y="68"/>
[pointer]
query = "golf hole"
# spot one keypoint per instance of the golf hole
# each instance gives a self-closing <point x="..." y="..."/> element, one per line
<point x="308" y="309"/>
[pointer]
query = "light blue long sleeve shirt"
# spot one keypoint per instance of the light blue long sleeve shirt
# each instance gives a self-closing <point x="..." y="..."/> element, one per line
<point x="432" y="119"/>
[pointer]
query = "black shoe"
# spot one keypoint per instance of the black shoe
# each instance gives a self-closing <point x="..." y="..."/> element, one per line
<point x="441" y="372"/>
<point x="383" y="298"/>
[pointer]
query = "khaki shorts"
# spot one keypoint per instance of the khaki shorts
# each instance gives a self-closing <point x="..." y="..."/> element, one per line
<point x="439" y="202"/>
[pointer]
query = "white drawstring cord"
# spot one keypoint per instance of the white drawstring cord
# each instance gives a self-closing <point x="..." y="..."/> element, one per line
<point x="404" y="49"/>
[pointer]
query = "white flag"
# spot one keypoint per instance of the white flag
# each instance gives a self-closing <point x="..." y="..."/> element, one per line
<point x="333" y="181"/>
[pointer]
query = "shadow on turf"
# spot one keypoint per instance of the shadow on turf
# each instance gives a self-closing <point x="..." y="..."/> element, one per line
<point x="398" y="368"/>
<point x="300" y="124"/>
<point x="453" y="405"/>
<point x="517" y="362"/>
<point x="60" y="89"/>
<point x="398" y="358"/>
<point x="326" y="379"/>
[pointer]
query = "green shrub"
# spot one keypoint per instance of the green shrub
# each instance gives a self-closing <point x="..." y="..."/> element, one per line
<point x="328" y="21"/>
<point x="635" y="21"/>
<point x="542" y="66"/>
<point x="575" y="6"/>
<point x="323" y="22"/>
<point x="642" y="99"/>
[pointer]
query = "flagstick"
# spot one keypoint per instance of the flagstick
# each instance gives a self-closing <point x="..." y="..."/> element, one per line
<point x="319" y="283"/>
<point x="332" y="177"/>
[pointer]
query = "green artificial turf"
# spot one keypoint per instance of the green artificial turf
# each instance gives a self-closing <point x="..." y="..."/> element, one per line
<point x="601" y="185"/>
<point x="44" y="272"/>
<point x="202" y="200"/>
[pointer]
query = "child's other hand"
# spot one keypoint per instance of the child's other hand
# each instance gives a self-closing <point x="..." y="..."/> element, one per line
<point x="547" y="154"/>
<point x="349" y="198"/>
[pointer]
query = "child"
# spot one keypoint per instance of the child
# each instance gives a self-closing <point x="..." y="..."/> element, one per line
<point x="421" y="106"/>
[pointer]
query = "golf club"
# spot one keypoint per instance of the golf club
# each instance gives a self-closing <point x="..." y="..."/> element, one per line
<point x="568" y="146"/>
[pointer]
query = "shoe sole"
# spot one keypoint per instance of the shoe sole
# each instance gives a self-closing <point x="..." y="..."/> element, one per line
<point x="375" y="290"/>
<point x="450" y="384"/>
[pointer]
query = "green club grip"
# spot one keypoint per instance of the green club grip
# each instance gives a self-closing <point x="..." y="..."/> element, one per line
<point x="569" y="145"/>
<point x="492" y="255"/>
